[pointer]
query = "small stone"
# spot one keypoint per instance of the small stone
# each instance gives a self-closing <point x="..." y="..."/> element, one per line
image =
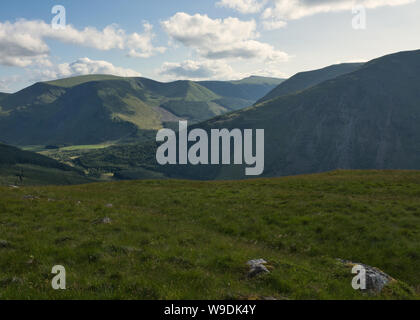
<point x="257" y="267"/>
<point x="30" y="197"/>
<point x="109" y="205"/>
<point x="31" y="260"/>
<point x="106" y="220"/>
<point x="4" y="244"/>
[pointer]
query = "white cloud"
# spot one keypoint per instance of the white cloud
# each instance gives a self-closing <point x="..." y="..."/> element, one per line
<point x="198" y="70"/>
<point x="141" y="44"/>
<point x="221" y="38"/>
<point x="82" y="66"/>
<point x="7" y="83"/>
<point x="243" y="6"/>
<point x="270" y="72"/>
<point x="280" y="11"/>
<point x="22" y="43"/>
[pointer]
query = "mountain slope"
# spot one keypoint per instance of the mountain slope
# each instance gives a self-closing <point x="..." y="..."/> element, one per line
<point x="28" y="168"/>
<point x="250" y="89"/>
<point x="305" y="80"/>
<point x="101" y="108"/>
<point x="367" y="119"/>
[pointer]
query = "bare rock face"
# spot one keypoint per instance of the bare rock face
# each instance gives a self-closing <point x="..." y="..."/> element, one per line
<point x="376" y="279"/>
<point x="257" y="267"/>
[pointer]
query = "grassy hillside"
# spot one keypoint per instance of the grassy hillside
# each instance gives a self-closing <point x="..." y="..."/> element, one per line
<point x="248" y="89"/>
<point x="25" y="168"/>
<point x="305" y="80"/>
<point x="75" y="81"/>
<point x="367" y="119"/>
<point x="96" y="109"/>
<point x="191" y="240"/>
<point x="3" y="95"/>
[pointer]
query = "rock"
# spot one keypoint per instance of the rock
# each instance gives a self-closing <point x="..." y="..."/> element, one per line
<point x="106" y="220"/>
<point x="268" y="299"/>
<point x="30" y="197"/>
<point x="31" y="260"/>
<point x="4" y="244"/>
<point x="109" y="205"/>
<point x="257" y="267"/>
<point x="376" y="279"/>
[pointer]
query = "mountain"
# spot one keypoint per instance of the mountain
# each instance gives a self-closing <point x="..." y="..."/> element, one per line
<point x="101" y="108"/>
<point x="3" y="95"/>
<point x="305" y="80"/>
<point x="367" y="119"/>
<point x="248" y="89"/>
<point x="28" y="168"/>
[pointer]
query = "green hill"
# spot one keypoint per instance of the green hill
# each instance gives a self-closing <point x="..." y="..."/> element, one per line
<point x="99" y="108"/>
<point x="192" y="240"/>
<point x="248" y="89"/>
<point x="19" y="167"/>
<point x="305" y="80"/>
<point x="367" y="119"/>
<point x="3" y="95"/>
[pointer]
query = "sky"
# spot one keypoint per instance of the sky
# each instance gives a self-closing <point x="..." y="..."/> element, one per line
<point x="169" y="40"/>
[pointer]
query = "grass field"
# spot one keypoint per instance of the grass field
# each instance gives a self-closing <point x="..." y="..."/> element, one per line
<point x="191" y="240"/>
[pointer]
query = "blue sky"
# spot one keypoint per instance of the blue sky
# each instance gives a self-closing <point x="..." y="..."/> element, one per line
<point x="223" y="39"/>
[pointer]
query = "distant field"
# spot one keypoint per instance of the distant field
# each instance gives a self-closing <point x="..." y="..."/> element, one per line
<point x="191" y="240"/>
<point x="67" y="154"/>
<point x="69" y="148"/>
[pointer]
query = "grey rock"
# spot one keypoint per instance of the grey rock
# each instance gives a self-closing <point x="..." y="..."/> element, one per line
<point x="30" y="197"/>
<point x="376" y="279"/>
<point x="106" y="220"/>
<point x="257" y="267"/>
<point x="4" y="244"/>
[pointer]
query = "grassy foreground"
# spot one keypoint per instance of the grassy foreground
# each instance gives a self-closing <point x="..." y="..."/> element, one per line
<point x="191" y="240"/>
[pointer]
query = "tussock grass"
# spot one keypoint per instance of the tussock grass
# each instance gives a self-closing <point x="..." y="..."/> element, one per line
<point x="191" y="240"/>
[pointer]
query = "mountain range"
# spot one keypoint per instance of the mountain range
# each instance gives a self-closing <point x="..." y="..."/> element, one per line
<point x="364" y="118"/>
<point x="102" y="108"/>
<point x="346" y="116"/>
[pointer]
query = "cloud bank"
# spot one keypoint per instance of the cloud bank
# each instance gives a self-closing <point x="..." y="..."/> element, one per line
<point x="218" y="39"/>
<point x="276" y="13"/>
<point x="23" y="42"/>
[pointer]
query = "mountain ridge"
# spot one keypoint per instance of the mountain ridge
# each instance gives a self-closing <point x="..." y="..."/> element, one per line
<point x="100" y="108"/>
<point x="304" y="80"/>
